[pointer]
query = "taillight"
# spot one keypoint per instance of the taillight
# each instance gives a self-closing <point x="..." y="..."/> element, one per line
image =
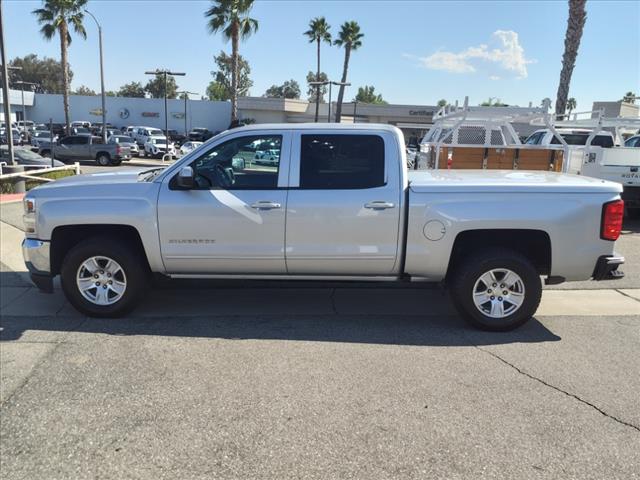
<point x="612" y="213"/>
<point x="118" y="150"/>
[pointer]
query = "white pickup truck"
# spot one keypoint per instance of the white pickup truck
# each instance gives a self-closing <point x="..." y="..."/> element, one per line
<point x="337" y="204"/>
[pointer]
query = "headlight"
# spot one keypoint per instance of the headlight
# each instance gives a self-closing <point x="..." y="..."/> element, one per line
<point x="29" y="205"/>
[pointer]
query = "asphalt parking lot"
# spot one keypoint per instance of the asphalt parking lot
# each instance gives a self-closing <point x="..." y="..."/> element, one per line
<point x="252" y="380"/>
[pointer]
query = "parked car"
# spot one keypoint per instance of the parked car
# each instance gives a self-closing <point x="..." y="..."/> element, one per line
<point x="80" y="131"/>
<point x="572" y="136"/>
<point x="16" y="137"/>
<point x="267" y="157"/>
<point x="80" y="124"/>
<point x="200" y="134"/>
<point x="131" y="130"/>
<point x="157" y="147"/>
<point x="143" y="134"/>
<point x="96" y="128"/>
<point x="25" y="125"/>
<point x="633" y="141"/>
<point x="177" y="138"/>
<point x="189" y="147"/>
<point x="125" y="141"/>
<point x="86" y="147"/>
<point x="41" y="136"/>
<point x="340" y="203"/>
<point x="24" y="156"/>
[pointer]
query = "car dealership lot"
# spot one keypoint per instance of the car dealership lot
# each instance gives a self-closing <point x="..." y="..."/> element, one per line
<point x="251" y="380"/>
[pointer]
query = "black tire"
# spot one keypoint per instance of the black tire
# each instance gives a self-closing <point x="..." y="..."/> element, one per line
<point x="103" y="159"/>
<point x="137" y="276"/>
<point x="468" y="272"/>
<point x="116" y="162"/>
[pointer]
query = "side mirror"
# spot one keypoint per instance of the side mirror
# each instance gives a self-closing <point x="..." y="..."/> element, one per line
<point x="186" y="178"/>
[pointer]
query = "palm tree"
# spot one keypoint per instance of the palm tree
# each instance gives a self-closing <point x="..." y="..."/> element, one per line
<point x="629" y="97"/>
<point x="55" y="16"/>
<point x="318" y="32"/>
<point x="571" y="105"/>
<point x="349" y="38"/>
<point x="232" y="18"/>
<point x="575" y="25"/>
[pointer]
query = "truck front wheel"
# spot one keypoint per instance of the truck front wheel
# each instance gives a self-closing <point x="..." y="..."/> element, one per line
<point x="102" y="278"/>
<point x="496" y="290"/>
<point x="103" y="159"/>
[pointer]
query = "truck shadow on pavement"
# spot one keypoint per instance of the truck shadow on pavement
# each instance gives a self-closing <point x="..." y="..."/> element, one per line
<point x="353" y="322"/>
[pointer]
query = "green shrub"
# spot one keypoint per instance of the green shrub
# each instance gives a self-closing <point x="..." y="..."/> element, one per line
<point x="6" y="186"/>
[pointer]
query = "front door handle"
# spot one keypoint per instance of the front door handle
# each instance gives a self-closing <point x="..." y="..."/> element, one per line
<point x="379" y="205"/>
<point x="265" y="205"/>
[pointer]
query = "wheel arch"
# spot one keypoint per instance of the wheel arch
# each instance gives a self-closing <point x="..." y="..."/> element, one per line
<point x="65" y="237"/>
<point x="535" y="245"/>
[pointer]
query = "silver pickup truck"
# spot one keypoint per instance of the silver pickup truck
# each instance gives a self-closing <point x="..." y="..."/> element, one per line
<point x="331" y="202"/>
<point x="85" y="147"/>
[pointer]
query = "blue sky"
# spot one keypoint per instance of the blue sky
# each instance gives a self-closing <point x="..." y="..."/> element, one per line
<point x="413" y="52"/>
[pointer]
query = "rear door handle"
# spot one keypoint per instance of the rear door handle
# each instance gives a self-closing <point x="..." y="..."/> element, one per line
<point x="265" y="205"/>
<point x="379" y="205"/>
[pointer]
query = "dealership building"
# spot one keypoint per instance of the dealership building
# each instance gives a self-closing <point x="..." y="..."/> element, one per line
<point x="413" y="120"/>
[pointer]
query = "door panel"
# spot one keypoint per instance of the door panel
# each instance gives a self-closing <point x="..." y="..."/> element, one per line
<point x="339" y="230"/>
<point x="238" y="229"/>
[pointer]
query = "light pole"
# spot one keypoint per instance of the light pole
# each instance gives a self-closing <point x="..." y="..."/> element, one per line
<point x="186" y="97"/>
<point x="24" y="110"/>
<point x="165" y="72"/>
<point x="104" y="108"/>
<point x="5" y="92"/>
<point x="329" y="82"/>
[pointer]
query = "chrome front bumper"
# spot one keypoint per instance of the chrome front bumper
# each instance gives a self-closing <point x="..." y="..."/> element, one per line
<point x="36" y="256"/>
<point x="37" y="259"/>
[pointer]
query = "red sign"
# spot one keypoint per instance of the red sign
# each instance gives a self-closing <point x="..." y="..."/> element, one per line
<point x="150" y="114"/>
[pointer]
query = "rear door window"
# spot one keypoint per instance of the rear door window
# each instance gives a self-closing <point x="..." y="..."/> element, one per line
<point x="341" y="161"/>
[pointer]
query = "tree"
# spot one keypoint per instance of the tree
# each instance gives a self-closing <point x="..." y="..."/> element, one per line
<point x="216" y="91"/>
<point x="367" y="94"/>
<point x="349" y="38"/>
<point x="318" y="32"/>
<point x="442" y="103"/>
<point x="546" y="100"/>
<point x="84" y="90"/>
<point x="571" y="104"/>
<point x="221" y="86"/>
<point x="289" y="89"/>
<point x="111" y="93"/>
<point x="45" y="72"/>
<point x="573" y="35"/>
<point x="629" y="97"/>
<point x="231" y="17"/>
<point x="312" y="91"/>
<point x="133" y="89"/>
<point x="56" y="16"/>
<point x="155" y="87"/>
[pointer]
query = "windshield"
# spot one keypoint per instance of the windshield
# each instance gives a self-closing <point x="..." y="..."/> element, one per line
<point x="155" y="132"/>
<point x="41" y="134"/>
<point x="123" y="139"/>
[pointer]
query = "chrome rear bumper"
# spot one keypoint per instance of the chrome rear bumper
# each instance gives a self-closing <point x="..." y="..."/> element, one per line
<point x="607" y="268"/>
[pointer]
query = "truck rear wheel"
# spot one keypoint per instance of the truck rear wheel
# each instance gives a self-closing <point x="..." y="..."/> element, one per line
<point x="102" y="278"/>
<point x="496" y="290"/>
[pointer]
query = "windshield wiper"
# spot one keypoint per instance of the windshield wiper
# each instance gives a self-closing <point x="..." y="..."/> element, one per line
<point x="151" y="173"/>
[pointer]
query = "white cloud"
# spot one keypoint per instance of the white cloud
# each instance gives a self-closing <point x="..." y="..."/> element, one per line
<point x="494" y="77"/>
<point x="507" y="55"/>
